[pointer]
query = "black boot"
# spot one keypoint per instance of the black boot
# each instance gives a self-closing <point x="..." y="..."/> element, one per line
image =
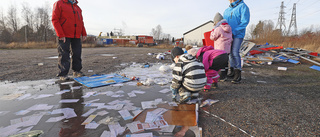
<point x="223" y="75"/>
<point x="231" y="72"/>
<point x="237" y="76"/>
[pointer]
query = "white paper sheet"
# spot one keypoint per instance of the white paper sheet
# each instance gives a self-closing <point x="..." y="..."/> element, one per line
<point x="92" y="125"/>
<point x="56" y="119"/>
<point x="125" y="114"/>
<point x="141" y="135"/>
<point x="166" y="90"/>
<point x="68" y="100"/>
<point x="22" y="112"/>
<point x="40" y="107"/>
<point x="89" y="112"/>
<point x="132" y="94"/>
<point x="43" y="96"/>
<point x="88" y="120"/>
<point x="102" y="113"/>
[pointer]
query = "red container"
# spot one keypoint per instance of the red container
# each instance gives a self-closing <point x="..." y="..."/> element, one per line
<point x="207" y="39"/>
<point x="313" y="53"/>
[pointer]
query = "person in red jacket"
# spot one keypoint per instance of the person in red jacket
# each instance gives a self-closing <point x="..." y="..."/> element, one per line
<point x="68" y="23"/>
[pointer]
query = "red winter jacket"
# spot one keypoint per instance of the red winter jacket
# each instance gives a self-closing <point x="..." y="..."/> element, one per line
<point x="67" y="19"/>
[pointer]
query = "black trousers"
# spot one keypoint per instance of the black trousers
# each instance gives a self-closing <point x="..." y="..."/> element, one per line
<point x="72" y="47"/>
<point x="220" y="62"/>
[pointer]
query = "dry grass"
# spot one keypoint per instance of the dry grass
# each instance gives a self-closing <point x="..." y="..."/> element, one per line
<point x="308" y="41"/>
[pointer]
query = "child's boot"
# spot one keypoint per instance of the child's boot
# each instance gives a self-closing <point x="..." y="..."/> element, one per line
<point x="214" y="85"/>
<point x="223" y="75"/>
<point x="207" y="88"/>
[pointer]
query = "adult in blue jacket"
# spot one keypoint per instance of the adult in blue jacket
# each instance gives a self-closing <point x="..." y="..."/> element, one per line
<point x="238" y="17"/>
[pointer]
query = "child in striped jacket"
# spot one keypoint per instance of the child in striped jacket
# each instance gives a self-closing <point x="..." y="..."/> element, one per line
<point x="188" y="76"/>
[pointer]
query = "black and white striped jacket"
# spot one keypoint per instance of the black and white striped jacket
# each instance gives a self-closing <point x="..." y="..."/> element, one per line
<point x="189" y="73"/>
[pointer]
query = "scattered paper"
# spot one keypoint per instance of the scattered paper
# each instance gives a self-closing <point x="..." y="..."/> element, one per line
<point x="89" y="112"/>
<point x="133" y="127"/>
<point x="141" y="135"/>
<point x="62" y="92"/>
<point x="138" y="91"/>
<point x="102" y="113"/>
<point x="116" y="128"/>
<point x="43" y="96"/>
<point x="125" y="114"/>
<point x="131" y="94"/>
<point x="22" y="112"/>
<point x="148" y="104"/>
<point x="136" y="112"/>
<point x="107" y="134"/>
<point x="40" y="107"/>
<point x="67" y="83"/>
<point x="89" y="119"/>
<point x="74" y="88"/>
<point x="166" y="90"/>
<point x="68" y="100"/>
<point x="92" y="125"/>
<point x="56" y="119"/>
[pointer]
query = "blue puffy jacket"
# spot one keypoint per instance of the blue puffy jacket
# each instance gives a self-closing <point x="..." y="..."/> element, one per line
<point x="238" y="17"/>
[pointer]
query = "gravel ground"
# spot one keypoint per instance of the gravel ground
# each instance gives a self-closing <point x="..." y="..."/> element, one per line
<point x="268" y="102"/>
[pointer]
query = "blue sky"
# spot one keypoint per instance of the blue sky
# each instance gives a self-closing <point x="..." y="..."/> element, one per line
<point x="175" y="16"/>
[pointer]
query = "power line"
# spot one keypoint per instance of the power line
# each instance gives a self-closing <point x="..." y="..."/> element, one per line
<point x="310" y="5"/>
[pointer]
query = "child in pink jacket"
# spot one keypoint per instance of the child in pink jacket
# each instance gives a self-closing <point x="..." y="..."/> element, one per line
<point x="213" y="60"/>
<point x="222" y="37"/>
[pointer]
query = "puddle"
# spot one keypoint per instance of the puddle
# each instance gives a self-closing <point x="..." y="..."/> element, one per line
<point x="37" y="105"/>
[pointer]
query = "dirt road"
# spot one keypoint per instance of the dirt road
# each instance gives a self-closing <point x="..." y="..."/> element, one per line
<point x="268" y="102"/>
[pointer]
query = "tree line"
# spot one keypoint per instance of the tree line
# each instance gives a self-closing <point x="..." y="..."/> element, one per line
<point x="31" y="25"/>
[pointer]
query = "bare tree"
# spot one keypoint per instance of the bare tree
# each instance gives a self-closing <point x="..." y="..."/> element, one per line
<point x="13" y="18"/>
<point x="156" y="32"/>
<point x="28" y="17"/>
<point x="2" y="21"/>
<point x="249" y="32"/>
<point x="43" y="23"/>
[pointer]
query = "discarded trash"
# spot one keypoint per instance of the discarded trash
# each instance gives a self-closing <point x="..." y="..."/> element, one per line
<point x="164" y="68"/>
<point x="114" y="57"/>
<point x="40" y="64"/>
<point x="90" y="71"/>
<point x="34" y="133"/>
<point x="208" y="102"/>
<point x="315" y="67"/>
<point x="148" y="82"/>
<point x="160" y="56"/>
<point x="282" y="68"/>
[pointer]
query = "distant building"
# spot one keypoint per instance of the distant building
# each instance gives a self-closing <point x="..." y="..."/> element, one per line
<point x="195" y="36"/>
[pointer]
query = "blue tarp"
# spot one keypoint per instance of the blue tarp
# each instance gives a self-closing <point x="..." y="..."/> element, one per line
<point x="101" y="80"/>
<point x="315" y="67"/>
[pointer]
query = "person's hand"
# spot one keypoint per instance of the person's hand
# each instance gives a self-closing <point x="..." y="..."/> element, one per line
<point x="180" y="134"/>
<point x="63" y="39"/>
<point x="84" y="38"/>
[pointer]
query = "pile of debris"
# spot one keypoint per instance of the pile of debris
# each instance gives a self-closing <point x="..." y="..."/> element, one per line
<point x="253" y="54"/>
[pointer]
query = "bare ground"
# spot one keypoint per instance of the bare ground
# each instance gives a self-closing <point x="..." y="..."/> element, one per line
<point x="268" y="102"/>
